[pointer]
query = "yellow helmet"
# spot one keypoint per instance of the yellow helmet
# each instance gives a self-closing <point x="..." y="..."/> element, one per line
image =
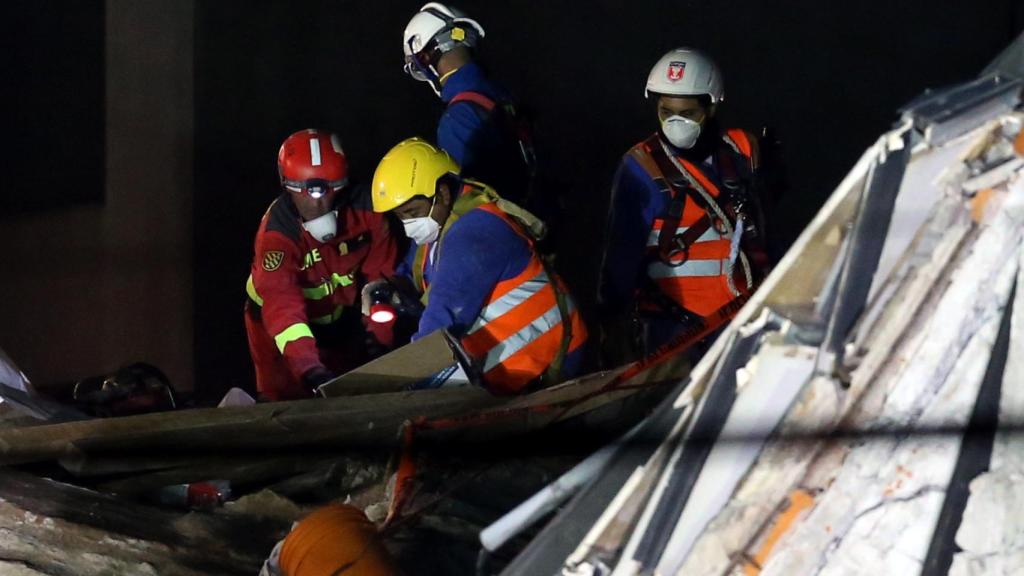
<point x="410" y="169"/>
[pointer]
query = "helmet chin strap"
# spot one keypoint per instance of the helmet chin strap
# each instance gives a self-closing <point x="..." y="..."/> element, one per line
<point x="430" y="75"/>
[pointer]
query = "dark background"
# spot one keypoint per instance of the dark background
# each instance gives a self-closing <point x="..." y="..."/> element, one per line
<point x="52" y="87"/>
<point x="827" y="76"/>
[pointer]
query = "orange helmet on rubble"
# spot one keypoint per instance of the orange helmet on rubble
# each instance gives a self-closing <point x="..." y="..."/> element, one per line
<point x="334" y="539"/>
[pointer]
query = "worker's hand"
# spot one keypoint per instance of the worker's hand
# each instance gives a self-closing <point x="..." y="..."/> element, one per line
<point x="366" y="296"/>
<point x="316" y="376"/>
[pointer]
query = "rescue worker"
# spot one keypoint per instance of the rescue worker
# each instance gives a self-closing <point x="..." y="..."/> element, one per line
<point x="683" y="237"/>
<point x="477" y="266"/>
<point x="480" y="127"/>
<point x="318" y="244"/>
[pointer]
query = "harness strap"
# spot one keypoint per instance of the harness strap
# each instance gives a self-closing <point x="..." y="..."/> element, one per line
<point x="514" y="125"/>
<point x="553" y="374"/>
<point x="670" y="243"/>
<point x="476" y="98"/>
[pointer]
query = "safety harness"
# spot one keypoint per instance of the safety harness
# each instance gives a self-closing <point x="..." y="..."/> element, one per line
<point x="512" y="123"/>
<point x="724" y="212"/>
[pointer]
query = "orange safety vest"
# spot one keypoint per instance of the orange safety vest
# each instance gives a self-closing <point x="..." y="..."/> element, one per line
<point x="705" y="276"/>
<point x="520" y="333"/>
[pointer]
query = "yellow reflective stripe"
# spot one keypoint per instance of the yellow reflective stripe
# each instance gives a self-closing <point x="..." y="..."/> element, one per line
<point x="250" y="289"/>
<point x="327" y="319"/>
<point x="319" y="293"/>
<point x="291" y="334"/>
<point x="327" y="288"/>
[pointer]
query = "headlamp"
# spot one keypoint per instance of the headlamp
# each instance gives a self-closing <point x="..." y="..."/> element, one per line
<point x="315" y="187"/>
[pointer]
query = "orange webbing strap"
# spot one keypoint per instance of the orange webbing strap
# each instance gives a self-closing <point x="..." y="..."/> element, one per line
<point x="474" y="97"/>
<point x="745" y="145"/>
<point x="335" y="539"/>
<point x="406" y="470"/>
<point x="405" y="475"/>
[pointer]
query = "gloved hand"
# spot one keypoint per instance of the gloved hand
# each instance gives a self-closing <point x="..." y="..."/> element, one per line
<point x="316" y="376"/>
<point x="366" y="296"/>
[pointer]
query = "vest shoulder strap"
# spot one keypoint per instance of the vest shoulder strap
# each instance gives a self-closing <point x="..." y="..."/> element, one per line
<point x="477" y="98"/>
<point x="642" y="154"/>
<point x="744" y="144"/>
<point x="678" y="189"/>
<point x="474" y="194"/>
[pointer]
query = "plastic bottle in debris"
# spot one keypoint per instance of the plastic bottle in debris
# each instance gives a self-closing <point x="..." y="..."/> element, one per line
<point x="196" y="495"/>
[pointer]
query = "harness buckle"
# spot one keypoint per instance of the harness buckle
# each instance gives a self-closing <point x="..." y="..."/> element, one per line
<point x="679" y="248"/>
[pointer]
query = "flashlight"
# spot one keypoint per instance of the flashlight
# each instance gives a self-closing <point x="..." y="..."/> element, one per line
<point x="381" y="310"/>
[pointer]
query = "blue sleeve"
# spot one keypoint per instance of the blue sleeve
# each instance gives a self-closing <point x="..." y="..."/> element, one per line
<point x="478" y="251"/>
<point x="635" y="200"/>
<point x="456" y="131"/>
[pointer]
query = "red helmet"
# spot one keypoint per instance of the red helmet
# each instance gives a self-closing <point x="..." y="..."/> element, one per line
<point x="312" y="162"/>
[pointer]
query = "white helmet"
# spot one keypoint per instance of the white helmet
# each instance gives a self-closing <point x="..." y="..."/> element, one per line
<point x="432" y="31"/>
<point x="685" y="72"/>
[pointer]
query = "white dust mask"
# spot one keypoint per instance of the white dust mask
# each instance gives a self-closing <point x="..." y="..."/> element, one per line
<point x="423" y="230"/>
<point x="681" y="132"/>
<point x="323" y="228"/>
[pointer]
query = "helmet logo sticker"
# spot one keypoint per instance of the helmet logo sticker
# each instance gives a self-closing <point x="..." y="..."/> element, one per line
<point x="458" y="34"/>
<point x="676" y="71"/>
<point x="272" y="260"/>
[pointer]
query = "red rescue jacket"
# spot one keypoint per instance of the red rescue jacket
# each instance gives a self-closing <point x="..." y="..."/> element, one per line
<point x="299" y="284"/>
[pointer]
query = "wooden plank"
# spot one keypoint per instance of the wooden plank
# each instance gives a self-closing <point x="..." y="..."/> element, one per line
<point x="365" y="420"/>
<point x="242" y="471"/>
<point x="396" y="370"/>
<point x="346" y="421"/>
<point x="85" y="465"/>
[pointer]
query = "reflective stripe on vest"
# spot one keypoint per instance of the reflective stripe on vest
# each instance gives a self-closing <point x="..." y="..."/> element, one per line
<point x="688" y="269"/>
<point x="519" y="330"/>
<point x="498" y="319"/>
<point x="291" y="334"/>
<point x="510" y="300"/>
<point x="711" y="243"/>
<point x="699" y="279"/>
<point x="652" y="238"/>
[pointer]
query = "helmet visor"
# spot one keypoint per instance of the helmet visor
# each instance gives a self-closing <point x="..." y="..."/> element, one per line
<point x="316" y="187"/>
<point x="417" y="63"/>
<point x="415" y="69"/>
